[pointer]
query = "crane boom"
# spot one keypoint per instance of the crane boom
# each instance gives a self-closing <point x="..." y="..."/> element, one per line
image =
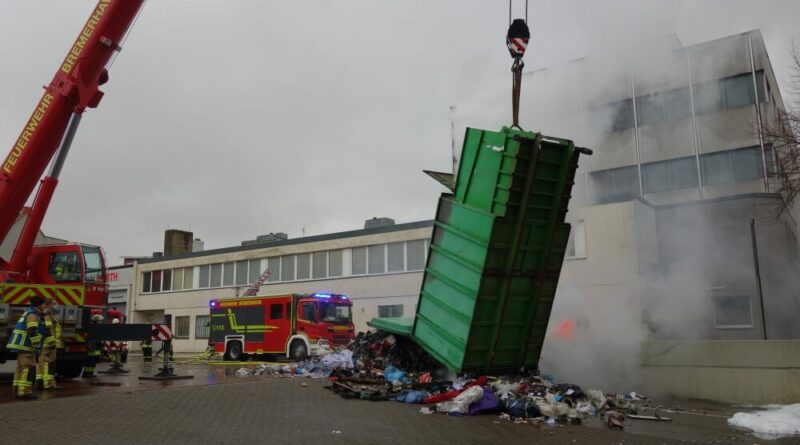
<point x="74" y="87"/>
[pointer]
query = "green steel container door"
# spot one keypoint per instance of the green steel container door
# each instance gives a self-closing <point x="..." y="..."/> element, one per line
<point x="496" y="253"/>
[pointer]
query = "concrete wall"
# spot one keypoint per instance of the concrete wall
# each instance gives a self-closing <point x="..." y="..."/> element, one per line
<point x="706" y="253"/>
<point x="742" y="372"/>
<point x="601" y="293"/>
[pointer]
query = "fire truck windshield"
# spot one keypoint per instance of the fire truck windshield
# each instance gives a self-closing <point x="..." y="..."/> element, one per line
<point x="94" y="264"/>
<point x="336" y="313"/>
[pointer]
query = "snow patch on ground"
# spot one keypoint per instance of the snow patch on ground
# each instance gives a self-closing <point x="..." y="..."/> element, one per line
<point x="774" y="422"/>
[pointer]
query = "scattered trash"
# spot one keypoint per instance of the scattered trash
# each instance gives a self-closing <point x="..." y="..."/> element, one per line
<point x="378" y="366"/>
<point x="336" y="432"/>
<point x="655" y="417"/>
<point x="615" y="420"/>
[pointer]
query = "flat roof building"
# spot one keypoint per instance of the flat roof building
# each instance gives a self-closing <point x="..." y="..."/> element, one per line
<point x="379" y="268"/>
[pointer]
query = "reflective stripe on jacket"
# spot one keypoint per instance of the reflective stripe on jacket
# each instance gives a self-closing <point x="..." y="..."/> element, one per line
<point x="54" y="328"/>
<point x="20" y="340"/>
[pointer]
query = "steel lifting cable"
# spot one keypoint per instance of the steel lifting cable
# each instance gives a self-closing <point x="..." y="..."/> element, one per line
<point x="517" y="41"/>
<point x="125" y="37"/>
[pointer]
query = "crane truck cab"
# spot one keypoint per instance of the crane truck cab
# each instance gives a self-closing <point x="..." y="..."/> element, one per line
<point x="293" y="325"/>
<point x="73" y="275"/>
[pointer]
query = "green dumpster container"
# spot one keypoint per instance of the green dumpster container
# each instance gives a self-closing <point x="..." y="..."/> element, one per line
<point x="496" y="253"/>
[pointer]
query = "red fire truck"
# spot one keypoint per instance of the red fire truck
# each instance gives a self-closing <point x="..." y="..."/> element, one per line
<point x="294" y="325"/>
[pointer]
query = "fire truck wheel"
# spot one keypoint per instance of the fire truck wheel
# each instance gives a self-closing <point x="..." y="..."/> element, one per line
<point x="299" y="351"/>
<point x="234" y="352"/>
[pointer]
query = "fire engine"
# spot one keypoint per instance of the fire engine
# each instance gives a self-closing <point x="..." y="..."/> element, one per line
<point x="294" y="325"/>
<point x="72" y="274"/>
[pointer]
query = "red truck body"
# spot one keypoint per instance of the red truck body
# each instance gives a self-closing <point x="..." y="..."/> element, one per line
<point x="294" y="325"/>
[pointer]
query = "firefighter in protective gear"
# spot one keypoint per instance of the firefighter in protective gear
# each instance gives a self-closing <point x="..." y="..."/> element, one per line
<point x="95" y="351"/>
<point x="147" y="350"/>
<point x="115" y="350"/>
<point x="45" y="367"/>
<point x="26" y="340"/>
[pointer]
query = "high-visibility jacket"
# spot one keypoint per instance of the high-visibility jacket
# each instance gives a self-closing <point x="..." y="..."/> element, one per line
<point x="27" y="334"/>
<point x="53" y="340"/>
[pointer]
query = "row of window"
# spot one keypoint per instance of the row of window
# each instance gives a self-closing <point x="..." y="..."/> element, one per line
<point x="402" y="256"/>
<point x="709" y="97"/>
<point x="202" y="326"/>
<point x="723" y="167"/>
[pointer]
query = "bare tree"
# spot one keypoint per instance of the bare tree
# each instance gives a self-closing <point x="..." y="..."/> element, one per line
<point x="783" y="134"/>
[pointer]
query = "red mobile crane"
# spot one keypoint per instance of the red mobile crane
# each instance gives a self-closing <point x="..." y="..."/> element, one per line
<point x="72" y="274"/>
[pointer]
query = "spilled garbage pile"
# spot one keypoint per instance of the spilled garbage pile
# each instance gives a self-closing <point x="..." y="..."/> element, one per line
<point x="379" y="366"/>
<point x="533" y="399"/>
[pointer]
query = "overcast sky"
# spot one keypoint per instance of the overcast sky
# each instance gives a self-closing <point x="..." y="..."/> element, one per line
<point x="238" y="118"/>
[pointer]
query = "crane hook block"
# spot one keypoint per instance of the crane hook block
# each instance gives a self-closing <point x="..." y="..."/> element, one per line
<point x="517" y="39"/>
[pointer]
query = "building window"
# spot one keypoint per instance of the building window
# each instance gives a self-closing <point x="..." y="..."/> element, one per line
<point x="303" y="266"/>
<point x="203" y="275"/>
<point x="216" y="275"/>
<point x="656" y="177"/>
<point x="396" y="257"/>
<point x="576" y="245"/>
<point x="276" y="311"/>
<point x="202" y="326"/>
<point x="274" y="266"/>
<point x="335" y="263"/>
<point x="717" y="168"/>
<point x="177" y="279"/>
<point x="415" y="254"/>
<point x="649" y="109"/>
<point x="619" y="115"/>
<point x="146" y="280"/>
<point x="747" y="164"/>
<point x="708" y="97"/>
<point x="743" y="164"/>
<point x="254" y="271"/>
<point x="359" y="260"/>
<point x="241" y="272"/>
<point x="614" y="185"/>
<point x="182" y="327"/>
<point x="167" y="280"/>
<point x="683" y="173"/>
<point x="287" y="268"/>
<point x="188" y="277"/>
<point x="675" y="174"/>
<point x="739" y="91"/>
<point x="677" y="104"/>
<point x="320" y="263"/>
<point x="376" y="258"/>
<point x="156" y="281"/>
<point x="227" y="274"/>
<point x="390" y="311"/>
<point x="733" y="312"/>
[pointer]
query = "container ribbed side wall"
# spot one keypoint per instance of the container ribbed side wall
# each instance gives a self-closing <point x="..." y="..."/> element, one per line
<point x="496" y="253"/>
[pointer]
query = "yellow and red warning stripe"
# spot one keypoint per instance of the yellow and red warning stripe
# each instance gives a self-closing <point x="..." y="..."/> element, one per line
<point x="21" y="294"/>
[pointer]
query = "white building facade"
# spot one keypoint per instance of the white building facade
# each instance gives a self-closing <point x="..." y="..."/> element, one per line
<point x="378" y="268"/>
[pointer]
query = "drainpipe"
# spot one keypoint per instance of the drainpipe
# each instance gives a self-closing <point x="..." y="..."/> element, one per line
<point x="758" y="113"/>
<point x="694" y="124"/>
<point x="636" y="137"/>
<point x="759" y="287"/>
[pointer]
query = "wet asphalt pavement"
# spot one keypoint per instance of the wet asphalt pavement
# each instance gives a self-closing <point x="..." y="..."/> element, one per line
<point x="216" y="406"/>
<point x="202" y="374"/>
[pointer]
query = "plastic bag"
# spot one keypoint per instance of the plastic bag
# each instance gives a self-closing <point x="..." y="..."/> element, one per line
<point x="461" y="403"/>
